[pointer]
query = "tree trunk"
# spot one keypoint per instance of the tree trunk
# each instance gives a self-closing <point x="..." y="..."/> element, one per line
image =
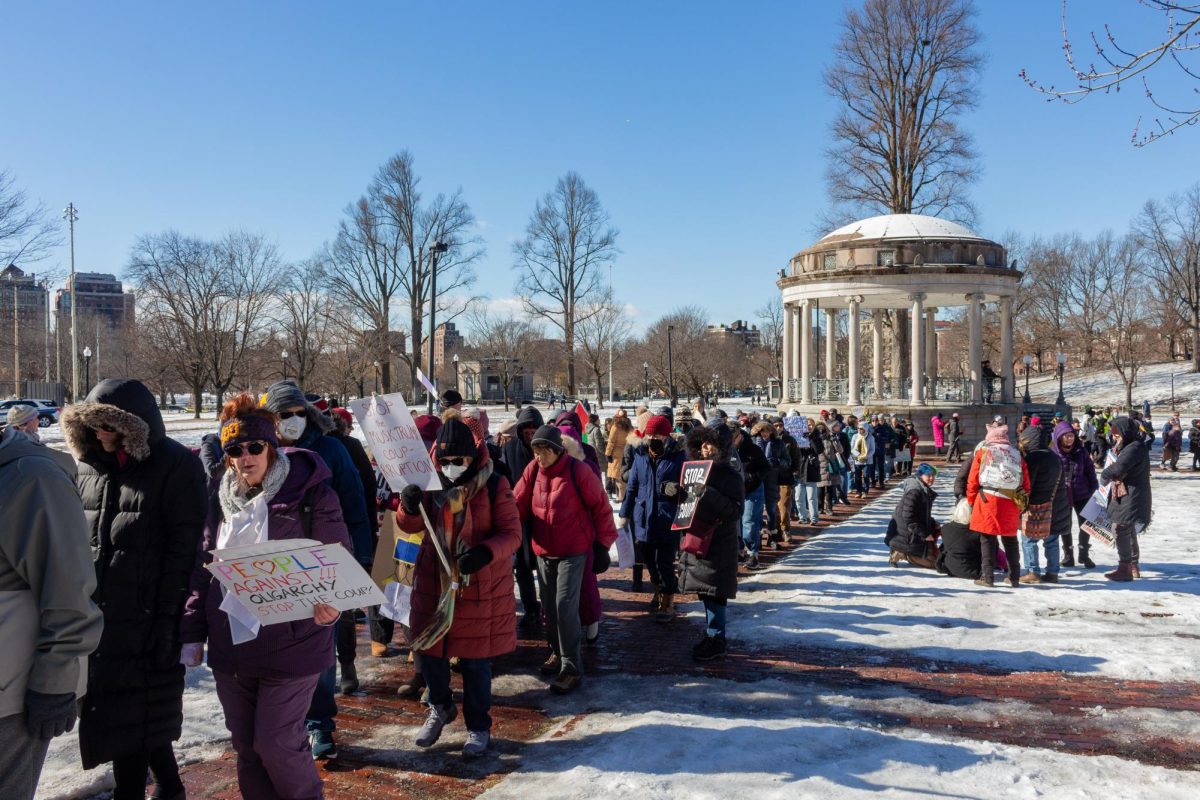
<point x="1195" y="338"/>
<point x="569" y="342"/>
<point x="197" y="398"/>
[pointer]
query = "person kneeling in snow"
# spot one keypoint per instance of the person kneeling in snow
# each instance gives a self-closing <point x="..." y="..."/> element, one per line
<point x="912" y="532"/>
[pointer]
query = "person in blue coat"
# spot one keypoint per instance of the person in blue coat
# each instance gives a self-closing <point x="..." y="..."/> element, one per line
<point x="651" y="498"/>
<point x="302" y="425"/>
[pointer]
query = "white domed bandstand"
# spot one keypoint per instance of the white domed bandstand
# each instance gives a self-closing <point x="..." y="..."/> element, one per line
<point x="913" y="265"/>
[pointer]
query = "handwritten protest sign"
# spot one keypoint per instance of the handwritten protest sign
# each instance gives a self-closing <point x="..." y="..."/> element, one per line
<point x="281" y="581"/>
<point x="798" y="428"/>
<point x="395" y="442"/>
<point x="693" y="474"/>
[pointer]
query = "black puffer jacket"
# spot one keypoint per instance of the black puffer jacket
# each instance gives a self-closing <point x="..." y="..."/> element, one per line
<point x="960" y="556"/>
<point x="1132" y="468"/>
<point x="724" y="497"/>
<point x="912" y="520"/>
<point x="1046" y="481"/>
<point x="145" y="515"/>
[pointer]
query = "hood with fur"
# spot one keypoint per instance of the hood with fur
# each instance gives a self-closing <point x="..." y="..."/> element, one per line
<point x="123" y="404"/>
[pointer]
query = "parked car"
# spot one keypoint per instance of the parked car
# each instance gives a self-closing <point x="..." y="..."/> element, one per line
<point x="46" y="409"/>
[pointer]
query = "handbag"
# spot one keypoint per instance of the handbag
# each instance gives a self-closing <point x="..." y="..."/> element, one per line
<point x="962" y="512"/>
<point x="1036" y="518"/>
<point x="697" y="540"/>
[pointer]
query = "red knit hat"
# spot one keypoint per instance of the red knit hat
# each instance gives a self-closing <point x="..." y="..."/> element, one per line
<point x="428" y="426"/>
<point x="345" y="414"/>
<point x="658" y="426"/>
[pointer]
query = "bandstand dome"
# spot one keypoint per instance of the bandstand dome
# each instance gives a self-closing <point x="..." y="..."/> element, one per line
<point x="901" y="268"/>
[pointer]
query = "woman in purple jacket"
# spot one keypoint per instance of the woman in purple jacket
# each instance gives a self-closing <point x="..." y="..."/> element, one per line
<point x="1079" y="473"/>
<point x="265" y="675"/>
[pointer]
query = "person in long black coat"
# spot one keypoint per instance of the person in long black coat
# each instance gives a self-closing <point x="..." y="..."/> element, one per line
<point x="144" y="496"/>
<point x="912" y="532"/>
<point x="516" y="454"/>
<point x="713" y="576"/>
<point x="1129" y="499"/>
<point x="1046" y="484"/>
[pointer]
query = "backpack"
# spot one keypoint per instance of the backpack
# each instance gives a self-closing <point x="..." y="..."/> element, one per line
<point x="1000" y="467"/>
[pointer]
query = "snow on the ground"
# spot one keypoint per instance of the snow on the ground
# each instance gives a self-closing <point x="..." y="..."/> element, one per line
<point x="839" y="591"/>
<point x="658" y="738"/>
<point x="1102" y="387"/>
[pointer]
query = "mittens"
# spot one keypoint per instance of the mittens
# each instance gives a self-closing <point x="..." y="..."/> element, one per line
<point x="474" y="559"/>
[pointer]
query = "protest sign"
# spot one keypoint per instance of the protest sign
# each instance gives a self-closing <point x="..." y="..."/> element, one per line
<point x="694" y="473"/>
<point x="394" y="567"/>
<point x="281" y="581"/>
<point x="798" y="428"/>
<point x="1096" y="521"/>
<point x="395" y="442"/>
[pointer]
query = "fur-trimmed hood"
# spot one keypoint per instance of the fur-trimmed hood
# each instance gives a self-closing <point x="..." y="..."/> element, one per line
<point x="123" y="404"/>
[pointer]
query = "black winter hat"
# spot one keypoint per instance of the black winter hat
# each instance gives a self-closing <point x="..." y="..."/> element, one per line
<point x="455" y="439"/>
<point x="450" y="397"/>
<point x="549" y="436"/>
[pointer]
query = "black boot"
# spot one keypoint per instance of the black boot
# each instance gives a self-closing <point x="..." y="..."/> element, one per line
<point x="1068" y="551"/>
<point x="1085" y="560"/>
<point x="638" y="571"/>
<point x="349" y="682"/>
<point x="987" y="562"/>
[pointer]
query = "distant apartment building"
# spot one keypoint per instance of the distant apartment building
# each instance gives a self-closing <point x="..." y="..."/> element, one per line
<point x="446" y="342"/>
<point x="26" y="296"/>
<point x="748" y="335"/>
<point x="100" y="294"/>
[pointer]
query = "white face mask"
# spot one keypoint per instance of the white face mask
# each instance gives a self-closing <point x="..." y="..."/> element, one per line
<point x="292" y="428"/>
<point x="454" y="471"/>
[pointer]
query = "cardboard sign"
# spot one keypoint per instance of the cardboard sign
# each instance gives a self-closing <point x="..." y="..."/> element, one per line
<point x="395" y="442"/>
<point x="281" y="581"/>
<point x="695" y="473"/>
<point x="798" y="428"/>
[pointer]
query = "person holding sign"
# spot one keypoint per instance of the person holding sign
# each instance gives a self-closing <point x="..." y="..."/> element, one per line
<point x="473" y="531"/>
<point x="713" y="574"/>
<point x="1128" y="480"/>
<point x="266" y="674"/>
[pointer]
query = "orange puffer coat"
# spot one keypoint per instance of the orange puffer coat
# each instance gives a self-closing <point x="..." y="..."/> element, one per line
<point x="485" y="610"/>
<point x="991" y="513"/>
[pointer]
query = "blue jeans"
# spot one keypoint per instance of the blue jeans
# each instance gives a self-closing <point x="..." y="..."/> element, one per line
<point x="714" y="614"/>
<point x="806" y="495"/>
<point x="1029" y="554"/>
<point x="477" y="688"/>
<point x="752" y="519"/>
<point x="845" y="487"/>
<point x="860" y="475"/>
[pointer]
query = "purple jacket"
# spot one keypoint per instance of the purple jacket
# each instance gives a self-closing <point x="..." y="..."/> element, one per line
<point x="285" y="649"/>
<point x="1078" y="470"/>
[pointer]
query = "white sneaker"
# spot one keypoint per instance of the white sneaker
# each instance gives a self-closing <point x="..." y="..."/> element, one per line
<point x="431" y="731"/>
<point x="477" y="744"/>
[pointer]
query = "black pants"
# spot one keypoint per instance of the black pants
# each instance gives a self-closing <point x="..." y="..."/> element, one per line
<point x="660" y="562"/>
<point x="953" y="453"/>
<point x="1128" y="551"/>
<point x="129" y="773"/>
<point x="346" y="637"/>
<point x="1085" y="538"/>
<point x="525" y="567"/>
<point x="988" y="547"/>
<point x="382" y="628"/>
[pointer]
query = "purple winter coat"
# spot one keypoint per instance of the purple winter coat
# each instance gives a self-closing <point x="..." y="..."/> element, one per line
<point x="285" y="649"/>
<point x="1078" y="469"/>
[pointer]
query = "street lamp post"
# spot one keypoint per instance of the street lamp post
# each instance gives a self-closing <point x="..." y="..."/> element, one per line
<point x="87" y="366"/>
<point x="283" y="356"/>
<point x="378" y="366"/>
<point x="455" y="360"/>
<point x="1027" y="359"/>
<point x="1062" y="365"/>
<point x="646" y="379"/>
<point x="671" y="367"/>
<point x="72" y="215"/>
<point x="438" y="248"/>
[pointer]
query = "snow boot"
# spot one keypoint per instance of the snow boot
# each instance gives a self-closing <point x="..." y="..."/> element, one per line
<point x="1084" y="560"/>
<point x="985" y="580"/>
<point x="1030" y="577"/>
<point x="638" y="571"/>
<point x="656" y="601"/>
<point x="413" y="687"/>
<point x="1135" y="570"/>
<point x="349" y="682"/>
<point x="1122" y="574"/>
<point x="709" y="648"/>
<point x="1068" y="551"/>
<point x="666" y="611"/>
<point x="552" y="665"/>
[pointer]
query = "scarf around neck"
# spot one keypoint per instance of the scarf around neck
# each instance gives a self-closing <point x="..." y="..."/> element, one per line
<point x="235" y="496"/>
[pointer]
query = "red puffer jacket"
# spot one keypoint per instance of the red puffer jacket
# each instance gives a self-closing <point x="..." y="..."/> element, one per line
<point x="562" y="525"/>
<point x="485" y="610"/>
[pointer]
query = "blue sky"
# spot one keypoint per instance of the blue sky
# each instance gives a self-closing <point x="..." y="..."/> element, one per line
<point x="701" y="125"/>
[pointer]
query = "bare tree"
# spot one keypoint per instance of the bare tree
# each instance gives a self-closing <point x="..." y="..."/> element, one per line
<point x="1130" y="337"/>
<point x="602" y="331"/>
<point x="904" y="71"/>
<point x="304" y="317"/>
<point x="1118" y="64"/>
<point x="27" y="231"/>
<point x="504" y="341"/>
<point x="566" y="244"/>
<point x="770" y="322"/>
<point x="1169" y="235"/>
<point x="380" y="259"/>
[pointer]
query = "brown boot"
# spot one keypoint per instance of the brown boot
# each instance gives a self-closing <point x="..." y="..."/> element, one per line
<point x="413" y="688"/>
<point x="1123" y="573"/>
<point x="666" y="610"/>
<point x="551" y="666"/>
<point x="380" y="650"/>
<point x="656" y="601"/>
<point x="1030" y="577"/>
<point x="1135" y="571"/>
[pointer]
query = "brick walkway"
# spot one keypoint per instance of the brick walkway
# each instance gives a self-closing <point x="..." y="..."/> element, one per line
<point x="1039" y="709"/>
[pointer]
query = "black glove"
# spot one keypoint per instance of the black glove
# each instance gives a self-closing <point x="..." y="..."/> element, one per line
<point x="49" y="715"/>
<point x="474" y="559"/>
<point x="410" y="499"/>
<point x="668" y="488"/>
<point x="601" y="560"/>
<point x="164" y="642"/>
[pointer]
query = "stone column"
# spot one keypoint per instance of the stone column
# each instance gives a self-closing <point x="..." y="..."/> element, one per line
<point x="830" y="342"/>
<point x="975" y="349"/>
<point x="877" y="352"/>
<point x="918" y="352"/>
<point x="785" y="368"/>
<point x="795" y="315"/>
<point x="806" y="350"/>
<point x="931" y="352"/>
<point x="1006" y="349"/>
<point x="852" y="345"/>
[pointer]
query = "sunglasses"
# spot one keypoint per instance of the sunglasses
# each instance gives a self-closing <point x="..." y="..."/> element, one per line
<point x="290" y="414"/>
<point x="451" y="462"/>
<point x="237" y="450"/>
<point x="105" y="428"/>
